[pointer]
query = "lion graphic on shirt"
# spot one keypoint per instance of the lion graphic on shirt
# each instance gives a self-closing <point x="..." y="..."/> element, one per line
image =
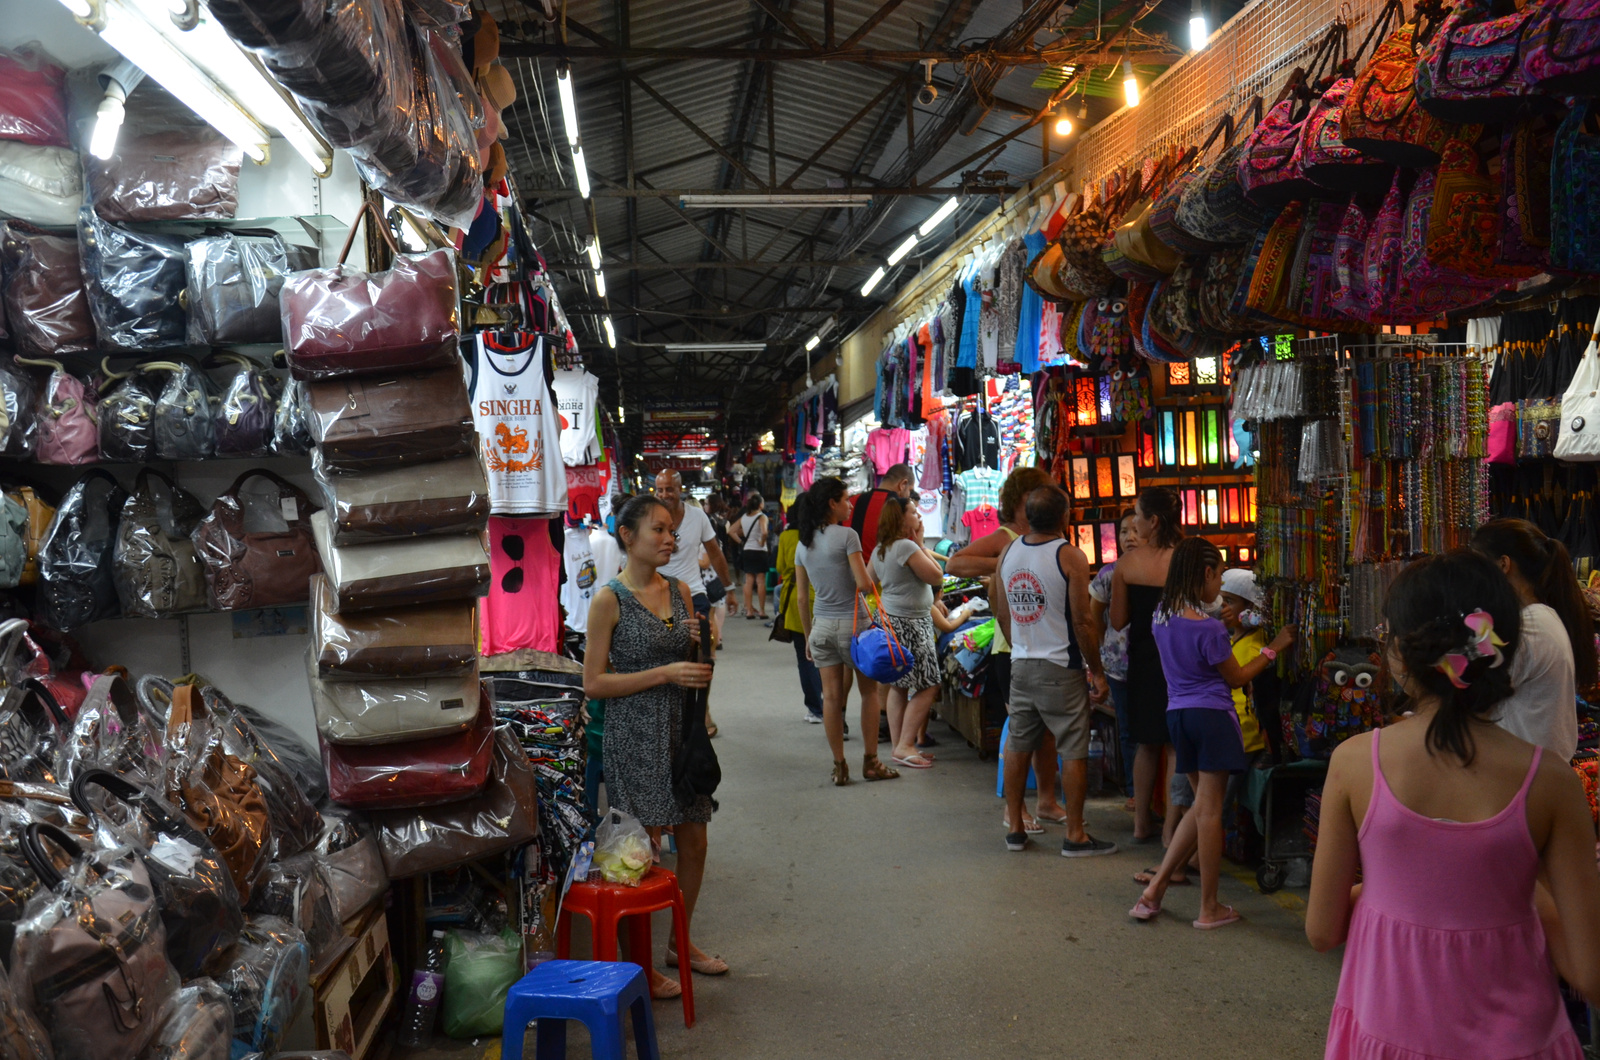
<point x="511" y="450"/>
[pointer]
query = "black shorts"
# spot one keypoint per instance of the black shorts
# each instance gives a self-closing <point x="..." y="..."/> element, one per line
<point x="1206" y="740"/>
<point x="753" y="561"/>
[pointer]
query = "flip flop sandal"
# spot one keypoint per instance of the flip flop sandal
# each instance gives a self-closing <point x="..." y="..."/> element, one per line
<point x="1030" y="825"/>
<point x="1053" y="820"/>
<point x="1233" y="917"/>
<point x="1144" y="910"/>
<point x="1150" y="874"/>
<point x="912" y="761"/>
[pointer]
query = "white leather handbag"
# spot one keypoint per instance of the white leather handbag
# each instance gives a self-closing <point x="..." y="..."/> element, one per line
<point x="401" y="573"/>
<point x="43" y="185"/>
<point x="1579" y="440"/>
<point x="392" y="710"/>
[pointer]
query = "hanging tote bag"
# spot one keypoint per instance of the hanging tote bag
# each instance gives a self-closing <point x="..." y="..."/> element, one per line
<point x="257" y="547"/>
<point x="1465" y="220"/>
<point x="76" y="580"/>
<point x="1471" y="70"/>
<point x="1322" y="156"/>
<point x="66" y="424"/>
<point x="1214" y="207"/>
<point x="1561" y="51"/>
<point x="1267" y="171"/>
<point x="876" y="651"/>
<point x="1381" y="117"/>
<point x="696" y="773"/>
<point x="1163" y="217"/>
<point x="1580" y="410"/>
<point x="344" y="321"/>
<point x="1526" y="148"/>
<point x="1574" y="175"/>
<point x="157" y="571"/>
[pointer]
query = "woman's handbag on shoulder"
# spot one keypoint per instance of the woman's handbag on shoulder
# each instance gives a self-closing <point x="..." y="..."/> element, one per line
<point x="695" y="769"/>
<point x="876" y="651"/>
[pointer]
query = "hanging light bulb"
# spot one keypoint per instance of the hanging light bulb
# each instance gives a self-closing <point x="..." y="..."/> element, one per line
<point x="1198" y="31"/>
<point x="1063" y="124"/>
<point x="1083" y="107"/>
<point x="1130" y="84"/>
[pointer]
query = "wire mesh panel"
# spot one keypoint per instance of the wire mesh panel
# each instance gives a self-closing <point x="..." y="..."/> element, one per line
<point x="1253" y="53"/>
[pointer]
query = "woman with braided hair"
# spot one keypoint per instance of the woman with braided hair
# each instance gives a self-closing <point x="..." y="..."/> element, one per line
<point x="1452" y="942"/>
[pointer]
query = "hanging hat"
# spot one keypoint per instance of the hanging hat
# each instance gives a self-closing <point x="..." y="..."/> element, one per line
<point x="499" y="91"/>
<point x="494" y="170"/>
<point x="485" y="42"/>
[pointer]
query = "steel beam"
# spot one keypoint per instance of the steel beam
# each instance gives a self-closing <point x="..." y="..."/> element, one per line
<point x="734" y="52"/>
<point x="865" y="189"/>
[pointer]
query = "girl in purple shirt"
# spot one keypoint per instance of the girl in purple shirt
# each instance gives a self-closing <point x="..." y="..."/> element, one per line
<point x="1197" y="659"/>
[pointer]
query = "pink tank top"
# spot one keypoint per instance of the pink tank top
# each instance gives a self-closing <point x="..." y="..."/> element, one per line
<point x="1446" y="955"/>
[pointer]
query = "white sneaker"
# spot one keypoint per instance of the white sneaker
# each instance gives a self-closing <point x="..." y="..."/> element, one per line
<point x="810" y="717"/>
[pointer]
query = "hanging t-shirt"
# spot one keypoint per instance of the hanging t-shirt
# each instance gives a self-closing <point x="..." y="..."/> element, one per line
<point x="524" y="572"/>
<point x="982" y="486"/>
<point x="519" y="429"/>
<point x="581" y="581"/>
<point x="888" y="446"/>
<point x="607" y="555"/>
<point x="982" y="521"/>
<point x="584" y="491"/>
<point x="577" y="397"/>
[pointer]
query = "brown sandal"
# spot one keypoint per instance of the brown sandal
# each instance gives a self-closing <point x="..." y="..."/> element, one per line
<point x="872" y="769"/>
<point x="841" y="773"/>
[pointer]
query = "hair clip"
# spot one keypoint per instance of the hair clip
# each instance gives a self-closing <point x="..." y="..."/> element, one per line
<point x="1483" y="644"/>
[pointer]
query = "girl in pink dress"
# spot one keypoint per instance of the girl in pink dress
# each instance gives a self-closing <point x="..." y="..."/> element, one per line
<point x="1452" y="945"/>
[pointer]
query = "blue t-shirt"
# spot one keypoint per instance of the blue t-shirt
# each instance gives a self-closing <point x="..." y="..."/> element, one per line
<point x="1190" y="650"/>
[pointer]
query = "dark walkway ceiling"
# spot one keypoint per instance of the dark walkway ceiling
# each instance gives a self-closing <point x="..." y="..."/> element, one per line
<point x="763" y="96"/>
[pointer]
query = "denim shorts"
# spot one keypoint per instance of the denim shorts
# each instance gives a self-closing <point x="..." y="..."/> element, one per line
<point x="1206" y="740"/>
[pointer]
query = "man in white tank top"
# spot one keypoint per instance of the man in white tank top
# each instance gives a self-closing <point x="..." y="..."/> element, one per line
<point x="1043" y="611"/>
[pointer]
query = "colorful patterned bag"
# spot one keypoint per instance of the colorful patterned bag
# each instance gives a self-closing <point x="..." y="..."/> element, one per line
<point x="1267" y="294"/>
<point x="1561" y="50"/>
<point x="1471" y="71"/>
<point x="1266" y="168"/>
<point x="1427" y="291"/>
<point x="1348" y="295"/>
<point x="1464" y="223"/>
<point x="1381" y="116"/>
<point x="1380" y="257"/>
<point x="1220" y="280"/>
<point x="1164" y="213"/>
<point x="1322" y="155"/>
<point x="1574" y="190"/>
<point x="1213" y="207"/>
<point x="1525" y="150"/>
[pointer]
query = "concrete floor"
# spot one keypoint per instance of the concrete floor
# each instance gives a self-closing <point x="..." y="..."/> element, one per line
<point x="888" y="919"/>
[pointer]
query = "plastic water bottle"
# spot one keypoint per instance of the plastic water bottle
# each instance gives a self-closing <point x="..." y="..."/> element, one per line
<point x="427" y="986"/>
<point x="1097" y="763"/>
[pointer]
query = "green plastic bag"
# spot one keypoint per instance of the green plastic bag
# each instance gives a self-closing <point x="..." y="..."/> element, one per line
<point x="479" y="970"/>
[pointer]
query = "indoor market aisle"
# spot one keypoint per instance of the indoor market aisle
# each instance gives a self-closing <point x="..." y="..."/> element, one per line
<point x="888" y="920"/>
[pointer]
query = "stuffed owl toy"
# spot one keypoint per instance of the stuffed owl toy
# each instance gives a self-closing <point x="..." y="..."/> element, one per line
<point x="1344" y="697"/>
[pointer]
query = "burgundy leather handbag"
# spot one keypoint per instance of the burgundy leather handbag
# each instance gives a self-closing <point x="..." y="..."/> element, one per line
<point x="181" y="174"/>
<point x="258" y="552"/>
<point x="33" y="99"/>
<point x="344" y="321"/>
<point x="45" y="298"/>
<point x="428" y="772"/>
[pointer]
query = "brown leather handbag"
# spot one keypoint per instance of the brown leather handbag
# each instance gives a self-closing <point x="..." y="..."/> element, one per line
<point x="370" y="421"/>
<point x="258" y="551"/>
<point x="216" y="791"/>
<point x="46" y="301"/>
<point x="402" y="573"/>
<point x="430" y="641"/>
<point x="179" y="174"/>
<point x="39" y="516"/>
<point x="412" y="500"/>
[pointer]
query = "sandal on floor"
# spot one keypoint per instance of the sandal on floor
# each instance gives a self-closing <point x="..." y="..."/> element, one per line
<point x="1233" y="917"/>
<point x="669" y="989"/>
<point x="1030" y="824"/>
<point x="841" y="773"/>
<point x="1149" y="874"/>
<point x="1053" y="820"/>
<point x="872" y="769"/>
<point x="702" y="966"/>
<point x="1144" y="910"/>
<point x="916" y="761"/>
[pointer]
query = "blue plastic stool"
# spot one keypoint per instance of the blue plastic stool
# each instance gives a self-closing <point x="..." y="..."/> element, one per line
<point x="595" y="992"/>
<point x="1000" y="766"/>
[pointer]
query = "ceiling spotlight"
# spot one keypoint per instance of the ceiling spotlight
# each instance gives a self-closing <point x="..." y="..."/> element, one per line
<point x="1063" y="124"/>
<point x="1083" y="107"/>
<point x="872" y="281"/>
<point x="903" y="249"/>
<point x="1130" y="84"/>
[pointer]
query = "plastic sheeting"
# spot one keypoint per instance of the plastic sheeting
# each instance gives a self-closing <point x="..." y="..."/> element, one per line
<point x="267" y="980"/>
<point x="135" y="282"/>
<point x="180" y="174"/>
<point x="393" y="710"/>
<point x="196" y="1024"/>
<point x="433" y="641"/>
<point x="234" y="279"/>
<point x="426" y="772"/>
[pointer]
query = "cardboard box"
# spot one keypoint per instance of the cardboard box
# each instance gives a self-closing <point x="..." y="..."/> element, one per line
<point x="353" y="998"/>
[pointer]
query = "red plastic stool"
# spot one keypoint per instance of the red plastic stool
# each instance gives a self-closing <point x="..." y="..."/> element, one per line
<point x="606" y="904"/>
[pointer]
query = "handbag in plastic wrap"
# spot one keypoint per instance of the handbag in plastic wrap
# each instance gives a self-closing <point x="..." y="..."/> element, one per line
<point x="258" y="547"/>
<point x="33" y="99"/>
<point x="13" y="541"/>
<point x="424" y="570"/>
<point x="244" y="416"/>
<point x="23" y="803"/>
<point x="127" y="411"/>
<point x="157" y="570"/>
<point x="182" y="417"/>
<point x="135" y="281"/>
<point x="420" y="773"/>
<point x="40" y="516"/>
<point x="188" y="173"/>
<point x="21" y="1035"/>
<point x="234" y="282"/>
<point x="504" y="815"/>
<point x="290" y="802"/>
<point x="17" y="396"/>
<point x="66" y="427"/>
<point x="296" y="889"/>
<point x="352" y="862"/>
<point x="413" y="500"/>
<point x="195" y="1024"/>
<point x="199" y="906"/>
<point x="345" y="321"/>
<point x="391" y="710"/>
<point x="365" y="422"/>
<point x="76" y="580"/>
<point x="113" y="732"/>
<point x="42" y="185"/>
<point x="437" y="640"/>
<point x="268" y="980"/>
<point x="47" y="303"/>
<point x="32" y="729"/>
<point x="291" y="430"/>
<point x="91" y="952"/>
<point x="216" y="791"/>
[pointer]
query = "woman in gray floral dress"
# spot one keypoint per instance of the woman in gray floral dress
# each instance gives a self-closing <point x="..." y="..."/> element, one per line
<point x="640" y="629"/>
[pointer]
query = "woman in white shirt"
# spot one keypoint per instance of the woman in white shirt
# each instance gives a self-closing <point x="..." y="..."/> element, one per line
<point x="754" y="556"/>
<point x="1555" y="655"/>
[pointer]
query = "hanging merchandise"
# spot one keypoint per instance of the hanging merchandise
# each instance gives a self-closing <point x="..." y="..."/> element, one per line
<point x="136" y="283"/>
<point x="428" y="772"/>
<point x="47" y="305"/>
<point x="257" y="544"/>
<point x="393" y="710"/>
<point x="156" y="568"/>
<point x="1470" y="70"/>
<point x="401" y="573"/>
<point x="362" y="422"/>
<point x="579" y="583"/>
<point x="243" y="416"/>
<point x="188" y="173"/>
<point x="235" y="280"/>
<point x="1382" y="117"/>
<point x="76" y="582"/>
<point x="1579" y="439"/>
<point x="1574" y="167"/>
<point x="438" y="640"/>
<point x="411" y="500"/>
<point x="519" y="427"/>
<point x="577" y="397"/>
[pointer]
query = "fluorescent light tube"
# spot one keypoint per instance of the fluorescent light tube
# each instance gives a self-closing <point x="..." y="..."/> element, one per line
<point x="569" y="105"/>
<point x="600" y="283"/>
<point x="872" y="281"/>
<point x="107" y="123"/>
<point x="719" y="347"/>
<point x="611" y="340"/>
<point x="581" y="170"/>
<point x="1198" y="32"/>
<point x="813" y="342"/>
<point x="736" y="200"/>
<point x="948" y="208"/>
<point x="903" y="249"/>
<point x="593" y="251"/>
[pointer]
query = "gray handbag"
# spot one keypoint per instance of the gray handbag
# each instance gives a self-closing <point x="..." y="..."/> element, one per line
<point x="371" y="711"/>
<point x="155" y="566"/>
<point x="13" y="541"/>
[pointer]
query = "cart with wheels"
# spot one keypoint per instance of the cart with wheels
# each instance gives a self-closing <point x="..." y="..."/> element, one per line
<point x="1276" y="797"/>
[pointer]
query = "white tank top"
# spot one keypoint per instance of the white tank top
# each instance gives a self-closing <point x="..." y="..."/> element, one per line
<point x="577" y="395"/>
<point x="519" y="429"/>
<point x="1041" y="608"/>
<point x="753" y="542"/>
